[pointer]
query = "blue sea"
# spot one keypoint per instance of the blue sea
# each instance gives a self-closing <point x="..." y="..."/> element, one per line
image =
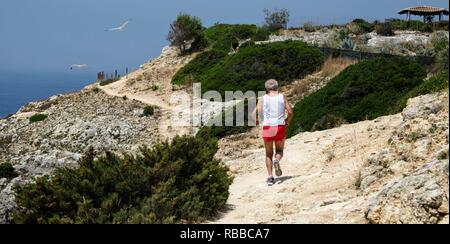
<point x="18" y="89"/>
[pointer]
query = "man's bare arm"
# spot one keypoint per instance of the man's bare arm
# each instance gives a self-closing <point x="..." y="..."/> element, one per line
<point x="289" y="111"/>
<point x="257" y="111"/>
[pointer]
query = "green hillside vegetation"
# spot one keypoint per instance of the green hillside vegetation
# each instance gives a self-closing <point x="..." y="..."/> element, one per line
<point x="165" y="184"/>
<point x="192" y="71"/>
<point x="251" y="66"/>
<point x="366" y="90"/>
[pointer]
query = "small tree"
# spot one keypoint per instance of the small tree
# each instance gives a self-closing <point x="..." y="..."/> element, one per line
<point x="186" y="33"/>
<point x="276" y="19"/>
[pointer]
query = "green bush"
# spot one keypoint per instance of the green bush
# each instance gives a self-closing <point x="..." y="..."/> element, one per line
<point x="222" y="37"/>
<point x="366" y="90"/>
<point x="166" y="184"/>
<point x="37" y="118"/>
<point x="7" y="171"/>
<point x="309" y="27"/>
<point x="364" y="25"/>
<point x="252" y="65"/>
<point x="385" y="29"/>
<point x="149" y="110"/>
<point x="427" y="28"/>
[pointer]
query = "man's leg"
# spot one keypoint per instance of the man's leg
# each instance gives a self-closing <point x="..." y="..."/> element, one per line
<point x="279" y="147"/>
<point x="268" y="145"/>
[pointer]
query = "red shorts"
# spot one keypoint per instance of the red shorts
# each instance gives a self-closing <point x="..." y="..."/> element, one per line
<point x="273" y="133"/>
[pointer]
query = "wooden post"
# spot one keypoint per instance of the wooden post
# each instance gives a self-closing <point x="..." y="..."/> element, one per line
<point x="115" y="73"/>
<point x="126" y="70"/>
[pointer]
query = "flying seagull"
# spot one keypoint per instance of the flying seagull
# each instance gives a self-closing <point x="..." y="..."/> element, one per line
<point x="78" y="66"/>
<point x="120" y="28"/>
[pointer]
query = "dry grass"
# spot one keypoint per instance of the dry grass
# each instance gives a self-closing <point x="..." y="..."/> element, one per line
<point x="334" y="66"/>
<point x="302" y="87"/>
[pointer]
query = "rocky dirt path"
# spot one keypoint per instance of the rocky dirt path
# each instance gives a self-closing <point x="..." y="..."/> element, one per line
<point x="320" y="177"/>
<point x="165" y="126"/>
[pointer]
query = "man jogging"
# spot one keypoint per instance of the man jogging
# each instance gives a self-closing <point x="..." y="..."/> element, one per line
<point x="272" y="109"/>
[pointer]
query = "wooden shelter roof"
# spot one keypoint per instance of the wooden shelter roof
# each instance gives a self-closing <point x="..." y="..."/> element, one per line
<point x="424" y="10"/>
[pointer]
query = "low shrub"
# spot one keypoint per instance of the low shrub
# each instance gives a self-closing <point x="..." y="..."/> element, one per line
<point x="309" y="27"/>
<point x="364" y="26"/>
<point x="7" y="171"/>
<point x="385" y="29"/>
<point x="165" y="184"/>
<point x="223" y="37"/>
<point x="37" y="117"/>
<point x="148" y="110"/>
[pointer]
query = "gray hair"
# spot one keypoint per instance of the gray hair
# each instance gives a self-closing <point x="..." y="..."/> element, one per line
<point x="271" y="85"/>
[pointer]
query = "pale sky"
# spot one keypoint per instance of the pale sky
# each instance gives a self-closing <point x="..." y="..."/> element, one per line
<point x="50" y="35"/>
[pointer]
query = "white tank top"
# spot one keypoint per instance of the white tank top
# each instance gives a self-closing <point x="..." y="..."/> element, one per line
<point x="273" y="110"/>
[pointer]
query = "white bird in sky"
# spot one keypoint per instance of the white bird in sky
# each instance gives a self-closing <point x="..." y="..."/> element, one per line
<point x="120" y="28"/>
<point x="78" y="66"/>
